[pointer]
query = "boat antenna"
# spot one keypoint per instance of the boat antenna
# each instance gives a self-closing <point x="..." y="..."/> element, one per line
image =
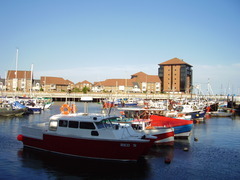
<point x="110" y="110"/>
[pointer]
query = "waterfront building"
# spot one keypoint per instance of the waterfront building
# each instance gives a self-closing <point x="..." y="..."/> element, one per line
<point x="19" y="80"/>
<point x="113" y="85"/>
<point x="147" y="83"/>
<point x="175" y="75"/>
<point x="81" y="85"/>
<point x="36" y="85"/>
<point x="138" y="83"/>
<point x="55" y="84"/>
<point x="2" y="84"/>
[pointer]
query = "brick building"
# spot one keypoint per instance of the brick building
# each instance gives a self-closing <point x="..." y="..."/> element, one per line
<point x="56" y="84"/>
<point x="139" y="82"/>
<point x="81" y="85"/>
<point x="175" y="75"/>
<point x="19" y="80"/>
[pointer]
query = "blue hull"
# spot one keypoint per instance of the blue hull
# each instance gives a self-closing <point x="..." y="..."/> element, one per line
<point x="183" y="129"/>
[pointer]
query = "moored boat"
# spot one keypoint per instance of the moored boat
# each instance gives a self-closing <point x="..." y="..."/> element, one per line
<point x="87" y="135"/>
<point x="165" y="135"/>
<point x="140" y="121"/>
<point x="12" y="109"/>
<point x="221" y="112"/>
<point x="182" y="128"/>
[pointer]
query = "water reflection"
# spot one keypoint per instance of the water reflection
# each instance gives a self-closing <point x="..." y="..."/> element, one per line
<point x="59" y="166"/>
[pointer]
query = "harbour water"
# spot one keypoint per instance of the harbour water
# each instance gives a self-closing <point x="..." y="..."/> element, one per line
<point x="211" y="152"/>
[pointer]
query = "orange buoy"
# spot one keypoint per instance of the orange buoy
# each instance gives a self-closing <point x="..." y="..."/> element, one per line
<point x="65" y="109"/>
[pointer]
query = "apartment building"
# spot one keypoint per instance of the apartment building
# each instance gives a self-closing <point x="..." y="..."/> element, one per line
<point x="81" y="85"/>
<point x="19" y="80"/>
<point x="175" y="75"/>
<point x="55" y="84"/>
<point x="139" y="82"/>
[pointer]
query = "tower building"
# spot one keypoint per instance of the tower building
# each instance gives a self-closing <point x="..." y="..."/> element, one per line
<point x="175" y="76"/>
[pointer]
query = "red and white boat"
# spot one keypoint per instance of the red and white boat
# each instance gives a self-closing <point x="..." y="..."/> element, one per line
<point x="141" y="122"/>
<point x="89" y="136"/>
<point x="182" y="128"/>
<point x="165" y="135"/>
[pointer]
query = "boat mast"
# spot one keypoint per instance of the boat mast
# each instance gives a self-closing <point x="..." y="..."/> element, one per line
<point x="16" y="71"/>
<point x="31" y="80"/>
<point x="16" y="63"/>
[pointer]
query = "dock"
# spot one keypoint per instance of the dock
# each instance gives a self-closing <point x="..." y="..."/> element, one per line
<point x="62" y="96"/>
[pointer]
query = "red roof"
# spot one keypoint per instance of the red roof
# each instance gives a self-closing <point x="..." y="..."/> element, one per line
<point x="116" y="82"/>
<point x="20" y="74"/>
<point x="174" y="61"/>
<point x="54" y="80"/>
<point x="143" y="77"/>
<point x="137" y="77"/>
<point x="83" y="82"/>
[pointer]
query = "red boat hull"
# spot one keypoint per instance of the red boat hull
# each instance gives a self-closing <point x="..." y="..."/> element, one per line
<point x="165" y="138"/>
<point x="90" y="148"/>
<point x="168" y="121"/>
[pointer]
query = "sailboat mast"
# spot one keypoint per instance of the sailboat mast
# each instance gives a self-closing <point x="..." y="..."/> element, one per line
<point x="31" y="81"/>
<point x="16" y="88"/>
<point x="16" y="63"/>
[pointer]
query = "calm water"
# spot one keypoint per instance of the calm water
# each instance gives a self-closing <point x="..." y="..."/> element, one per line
<point x="216" y="155"/>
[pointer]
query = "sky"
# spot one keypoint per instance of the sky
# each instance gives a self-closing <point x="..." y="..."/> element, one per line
<point x="95" y="40"/>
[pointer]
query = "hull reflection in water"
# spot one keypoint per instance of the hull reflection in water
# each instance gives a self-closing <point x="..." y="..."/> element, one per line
<point x="67" y="167"/>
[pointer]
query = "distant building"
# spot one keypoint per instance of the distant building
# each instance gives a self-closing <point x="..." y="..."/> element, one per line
<point x="36" y="85"/>
<point x="19" y="80"/>
<point x="55" y="84"/>
<point x="2" y="84"/>
<point x="175" y="75"/>
<point x="146" y="83"/>
<point x="139" y="82"/>
<point x="81" y="85"/>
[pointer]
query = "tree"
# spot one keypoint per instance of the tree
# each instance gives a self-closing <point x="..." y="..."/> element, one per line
<point x="85" y="89"/>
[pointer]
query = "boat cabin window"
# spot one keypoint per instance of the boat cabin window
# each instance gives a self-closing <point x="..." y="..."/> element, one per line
<point x="53" y="125"/>
<point x="73" y="124"/>
<point x="104" y="124"/>
<point x="179" y="108"/>
<point x="87" y="125"/>
<point x="63" y="123"/>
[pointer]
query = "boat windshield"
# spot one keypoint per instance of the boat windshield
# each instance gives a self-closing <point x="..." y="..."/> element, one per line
<point x="53" y="125"/>
<point x="105" y="123"/>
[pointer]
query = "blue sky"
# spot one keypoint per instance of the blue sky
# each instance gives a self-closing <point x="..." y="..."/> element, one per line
<point x="99" y="39"/>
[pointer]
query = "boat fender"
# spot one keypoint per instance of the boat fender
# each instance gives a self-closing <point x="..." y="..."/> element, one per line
<point x="20" y="137"/>
<point x="74" y="108"/>
<point x="167" y="160"/>
<point x="116" y="127"/>
<point x="150" y="127"/>
<point x="65" y="109"/>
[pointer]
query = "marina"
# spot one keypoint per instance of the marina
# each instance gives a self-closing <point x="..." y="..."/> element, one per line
<point x="212" y="151"/>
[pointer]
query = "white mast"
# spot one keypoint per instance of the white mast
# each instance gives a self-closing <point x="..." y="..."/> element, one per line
<point x="16" y="63"/>
<point x="31" y="80"/>
<point x="16" y="70"/>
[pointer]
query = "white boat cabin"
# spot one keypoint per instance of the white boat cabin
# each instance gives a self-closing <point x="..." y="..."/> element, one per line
<point x="81" y="126"/>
